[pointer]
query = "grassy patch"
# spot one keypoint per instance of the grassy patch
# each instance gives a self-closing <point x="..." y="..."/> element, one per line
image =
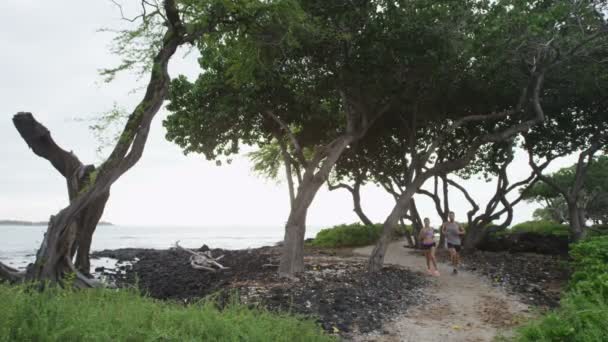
<point x="109" y="315"/>
<point x="538" y="227"/>
<point x="352" y="235"/>
<point x="583" y="311"/>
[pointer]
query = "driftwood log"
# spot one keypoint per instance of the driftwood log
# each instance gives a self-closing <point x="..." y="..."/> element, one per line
<point x="202" y="260"/>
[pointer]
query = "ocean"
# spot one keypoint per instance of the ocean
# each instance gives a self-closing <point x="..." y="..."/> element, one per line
<point x="18" y="244"/>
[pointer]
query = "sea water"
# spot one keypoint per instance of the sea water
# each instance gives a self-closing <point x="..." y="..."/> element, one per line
<point x="18" y="244"/>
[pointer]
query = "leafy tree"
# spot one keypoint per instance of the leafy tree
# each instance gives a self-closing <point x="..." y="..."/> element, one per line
<point x="592" y="196"/>
<point x="539" y="33"/>
<point x="332" y="69"/>
<point x="577" y="107"/>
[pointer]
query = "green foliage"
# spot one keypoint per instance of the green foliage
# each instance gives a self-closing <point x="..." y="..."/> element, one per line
<point x="579" y="319"/>
<point x="352" y="235"/>
<point x="583" y="312"/>
<point x="590" y="263"/>
<point x="539" y="227"/>
<point x="108" y="315"/>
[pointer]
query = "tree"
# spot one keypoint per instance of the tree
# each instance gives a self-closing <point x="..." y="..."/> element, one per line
<point x="544" y="30"/>
<point x="77" y="176"/>
<point x="309" y="65"/>
<point x="577" y="103"/>
<point x="591" y="197"/>
<point x="491" y="162"/>
<point x="162" y="29"/>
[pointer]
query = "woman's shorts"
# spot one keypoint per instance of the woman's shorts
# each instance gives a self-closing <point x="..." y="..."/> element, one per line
<point x="428" y="246"/>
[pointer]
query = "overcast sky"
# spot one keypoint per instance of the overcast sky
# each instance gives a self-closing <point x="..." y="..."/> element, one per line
<point x="49" y="62"/>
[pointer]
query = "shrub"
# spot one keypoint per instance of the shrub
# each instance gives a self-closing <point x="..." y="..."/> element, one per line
<point x="353" y="235"/>
<point x="598" y="230"/>
<point x="107" y="315"/>
<point x="583" y="312"/>
<point x="348" y="235"/>
<point x="539" y="227"/>
<point x="590" y="264"/>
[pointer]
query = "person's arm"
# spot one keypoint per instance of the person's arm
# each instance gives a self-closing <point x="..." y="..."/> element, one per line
<point x="420" y="234"/>
<point x="443" y="228"/>
<point x="460" y="229"/>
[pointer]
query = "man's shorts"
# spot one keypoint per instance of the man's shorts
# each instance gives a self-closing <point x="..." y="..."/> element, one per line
<point x="455" y="247"/>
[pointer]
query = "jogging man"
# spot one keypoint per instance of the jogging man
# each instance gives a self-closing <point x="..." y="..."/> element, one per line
<point x="452" y="232"/>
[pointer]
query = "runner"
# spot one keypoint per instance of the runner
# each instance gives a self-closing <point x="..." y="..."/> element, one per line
<point x="427" y="241"/>
<point x="452" y="232"/>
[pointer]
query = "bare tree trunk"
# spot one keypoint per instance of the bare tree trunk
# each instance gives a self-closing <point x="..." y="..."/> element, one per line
<point x="292" y="259"/>
<point x="88" y="221"/>
<point x="577" y="221"/>
<point x="475" y="234"/>
<point x="77" y="176"/>
<point x="376" y="259"/>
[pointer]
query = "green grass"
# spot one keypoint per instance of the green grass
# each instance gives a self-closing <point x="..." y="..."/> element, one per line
<point x="583" y="312"/>
<point x="538" y="227"/>
<point x="352" y="235"/>
<point x="111" y="315"/>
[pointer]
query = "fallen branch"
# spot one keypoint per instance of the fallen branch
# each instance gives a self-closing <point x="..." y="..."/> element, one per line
<point x="202" y="260"/>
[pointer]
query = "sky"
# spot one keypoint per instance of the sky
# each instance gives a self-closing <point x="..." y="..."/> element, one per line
<point x="49" y="65"/>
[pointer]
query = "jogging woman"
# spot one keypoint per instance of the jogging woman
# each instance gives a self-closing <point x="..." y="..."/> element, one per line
<point x="427" y="241"/>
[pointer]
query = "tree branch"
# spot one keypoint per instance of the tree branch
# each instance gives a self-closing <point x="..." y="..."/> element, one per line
<point x="39" y="139"/>
<point x="294" y="141"/>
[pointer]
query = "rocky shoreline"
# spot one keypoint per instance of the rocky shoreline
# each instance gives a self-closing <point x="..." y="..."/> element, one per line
<point x="336" y="290"/>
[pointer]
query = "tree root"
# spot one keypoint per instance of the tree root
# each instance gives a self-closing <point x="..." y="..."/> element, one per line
<point x="202" y="260"/>
<point x="10" y="274"/>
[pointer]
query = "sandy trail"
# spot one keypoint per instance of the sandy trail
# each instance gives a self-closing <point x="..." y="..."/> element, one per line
<point x="463" y="307"/>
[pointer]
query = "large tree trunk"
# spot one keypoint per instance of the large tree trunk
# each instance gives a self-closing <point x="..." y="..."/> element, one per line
<point x="577" y="221"/>
<point x="77" y="176"/>
<point x="87" y="222"/>
<point x="475" y="235"/>
<point x="292" y="259"/>
<point x="376" y="259"/>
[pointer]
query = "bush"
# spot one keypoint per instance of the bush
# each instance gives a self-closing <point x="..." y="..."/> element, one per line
<point x="107" y="315"/>
<point x="590" y="264"/>
<point x="348" y="235"/>
<point x="353" y="235"/>
<point x="598" y="230"/>
<point x="539" y="227"/>
<point x="583" y="312"/>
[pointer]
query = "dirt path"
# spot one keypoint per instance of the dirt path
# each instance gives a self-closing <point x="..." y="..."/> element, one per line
<point x="463" y="307"/>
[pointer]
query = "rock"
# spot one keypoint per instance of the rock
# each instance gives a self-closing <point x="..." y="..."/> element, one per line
<point x="338" y="291"/>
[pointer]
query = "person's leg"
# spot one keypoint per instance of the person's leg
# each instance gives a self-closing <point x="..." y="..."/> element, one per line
<point x="427" y="254"/>
<point x="434" y="260"/>
<point x="452" y="255"/>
